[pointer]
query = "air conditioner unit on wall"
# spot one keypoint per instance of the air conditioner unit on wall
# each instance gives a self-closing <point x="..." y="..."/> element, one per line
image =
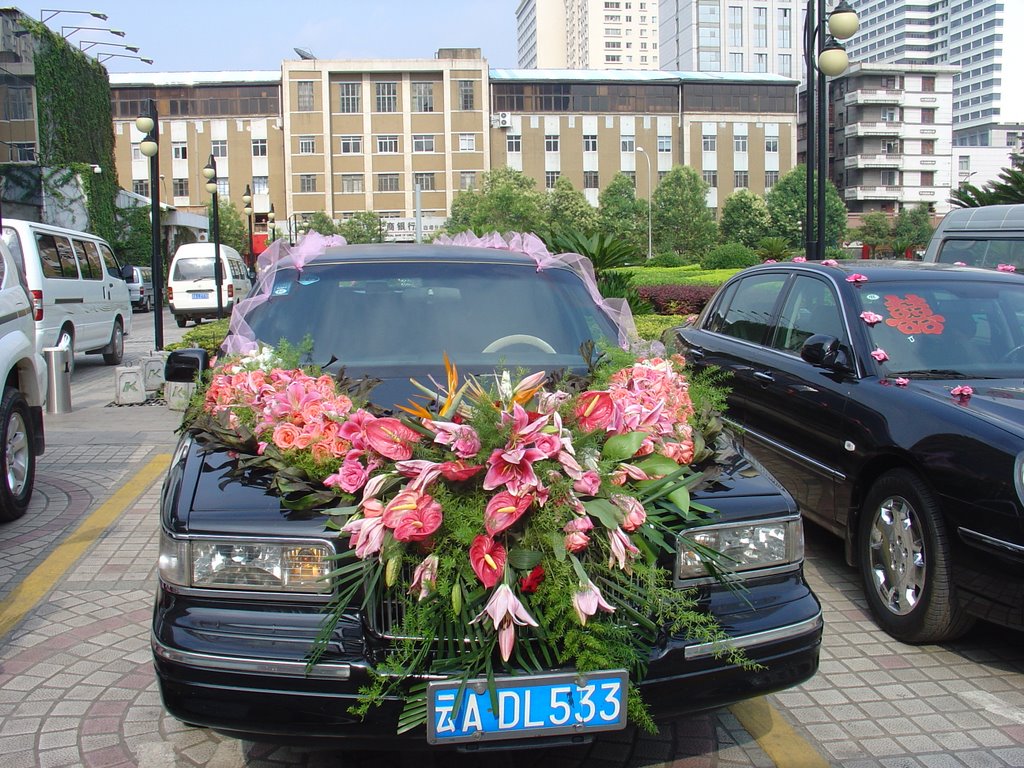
<point x="503" y="119"/>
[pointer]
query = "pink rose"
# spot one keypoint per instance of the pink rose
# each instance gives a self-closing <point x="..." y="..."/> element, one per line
<point x="589" y="484"/>
<point x="353" y="476"/>
<point x="286" y="436"/>
<point x="636" y="515"/>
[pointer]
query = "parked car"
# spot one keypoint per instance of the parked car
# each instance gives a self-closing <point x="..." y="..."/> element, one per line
<point x="192" y="286"/>
<point x="989" y="236"/>
<point x="79" y="296"/>
<point x="234" y="657"/>
<point x="24" y="390"/>
<point x="886" y="396"/>
<point x="140" y="287"/>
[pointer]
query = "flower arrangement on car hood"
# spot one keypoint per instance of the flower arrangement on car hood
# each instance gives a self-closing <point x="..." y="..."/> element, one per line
<point x="529" y="525"/>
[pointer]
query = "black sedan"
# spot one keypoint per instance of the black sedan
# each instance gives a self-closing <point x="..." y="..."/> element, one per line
<point x="231" y="638"/>
<point x="887" y="397"/>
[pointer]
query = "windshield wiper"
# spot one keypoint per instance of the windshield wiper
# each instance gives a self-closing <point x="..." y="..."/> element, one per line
<point x="939" y="373"/>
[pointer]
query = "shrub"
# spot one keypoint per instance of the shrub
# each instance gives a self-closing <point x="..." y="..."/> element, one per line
<point x="690" y="275"/>
<point x="668" y="259"/>
<point x="677" y="299"/>
<point x="654" y="326"/>
<point x="773" y="248"/>
<point x="206" y="336"/>
<point x="619" y="284"/>
<point x="730" y="255"/>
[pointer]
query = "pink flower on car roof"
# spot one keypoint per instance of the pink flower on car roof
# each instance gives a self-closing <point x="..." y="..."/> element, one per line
<point x="880" y="355"/>
<point x="871" y="318"/>
<point x="857" y="277"/>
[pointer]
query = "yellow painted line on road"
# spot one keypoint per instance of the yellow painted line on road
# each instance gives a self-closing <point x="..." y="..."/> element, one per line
<point x="776" y="737"/>
<point x="40" y="581"/>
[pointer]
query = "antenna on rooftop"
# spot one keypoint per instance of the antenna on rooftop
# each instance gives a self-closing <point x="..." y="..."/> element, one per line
<point x="305" y="54"/>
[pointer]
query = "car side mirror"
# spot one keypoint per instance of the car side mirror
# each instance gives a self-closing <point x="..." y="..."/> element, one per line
<point x="185" y="365"/>
<point x="127" y="273"/>
<point x="825" y="352"/>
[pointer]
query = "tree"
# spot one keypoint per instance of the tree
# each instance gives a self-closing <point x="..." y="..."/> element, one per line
<point x="132" y="239"/>
<point x="682" y="220"/>
<point x="745" y="219"/>
<point x="567" y="208"/>
<point x="787" y="205"/>
<point x="874" y="231"/>
<point x="233" y="230"/>
<point x="621" y="216"/>
<point x="363" y="227"/>
<point x="320" y="222"/>
<point x="464" y="206"/>
<point x="506" y="202"/>
<point x="912" y="228"/>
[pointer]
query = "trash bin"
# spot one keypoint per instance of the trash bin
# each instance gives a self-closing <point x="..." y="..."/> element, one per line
<point x="58" y="379"/>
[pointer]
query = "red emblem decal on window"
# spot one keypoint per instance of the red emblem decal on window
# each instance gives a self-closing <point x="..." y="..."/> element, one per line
<point x="911" y="314"/>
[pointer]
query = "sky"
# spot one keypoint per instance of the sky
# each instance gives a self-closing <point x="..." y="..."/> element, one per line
<point x="191" y="35"/>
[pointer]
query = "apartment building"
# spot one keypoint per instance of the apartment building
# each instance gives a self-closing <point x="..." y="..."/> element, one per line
<point x="760" y="36"/>
<point x="890" y="136"/>
<point x="588" y="34"/>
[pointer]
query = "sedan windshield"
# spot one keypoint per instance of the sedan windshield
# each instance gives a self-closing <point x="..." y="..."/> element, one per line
<point x="402" y="314"/>
<point x="943" y="329"/>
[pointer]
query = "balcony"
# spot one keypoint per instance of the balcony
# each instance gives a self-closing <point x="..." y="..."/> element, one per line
<point x="876" y="96"/>
<point x="885" y="160"/>
<point x="873" y="129"/>
<point x="898" y="193"/>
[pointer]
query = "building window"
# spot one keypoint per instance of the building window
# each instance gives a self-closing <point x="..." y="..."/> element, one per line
<point x="18" y="105"/>
<point x="23" y="152"/>
<point x="349" y="102"/>
<point x="179" y="150"/>
<point x="387" y="97"/>
<point x="259" y="147"/>
<point x="735" y="26"/>
<point x="590" y="143"/>
<point x="760" y="27"/>
<point x="927" y="117"/>
<point x="928" y="147"/>
<point x="551" y="143"/>
<point x="771" y="144"/>
<point x="889" y="114"/>
<point x="590" y="180"/>
<point x="927" y="178"/>
<point x="260" y="185"/>
<point x="223" y="188"/>
<point x="304" y="96"/>
<point x="631" y="175"/>
<point x="179" y="187"/>
<point x="219" y="148"/>
<point x="307" y="182"/>
<point x="735" y="62"/>
<point x="140" y="187"/>
<point x="710" y="178"/>
<point x="423" y="143"/>
<point x="786" y="64"/>
<point x="627" y="143"/>
<point x="513" y="142"/>
<point x="760" y="62"/>
<point x="424" y="180"/>
<point x="890" y="178"/>
<point x="550" y="179"/>
<point x="741" y="179"/>
<point x="466" y="98"/>
<point x="307" y="145"/>
<point x="387" y="182"/>
<point x="664" y="144"/>
<point x="964" y="163"/>
<point x="351" y="145"/>
<point x="709" y="142"/>
<point x="467" y="180"/>
<point x="422" y="97"/>
<point x="387" y="145"/>
<point x="137" y="153"/>
<point x="739" y="143"/>
<point x="785" y="28"/>
<point x="771" y="178"/>
<point x="467" y="142"/>
<point x="928" y="83"/>
<point x="352" y="183"/>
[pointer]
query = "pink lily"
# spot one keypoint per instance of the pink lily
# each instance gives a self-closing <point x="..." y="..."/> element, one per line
<point x="588" y="601"/>
<point x="424" y="578"/>
<point x="623" y="551"/>
<point x="367" y="535"/>
<point x="512" y="468"/>
<point x="505" y="612"/>
<point x="422" y="472"/>
<point x="523" y="430"/>
<point x="462" y="438"/>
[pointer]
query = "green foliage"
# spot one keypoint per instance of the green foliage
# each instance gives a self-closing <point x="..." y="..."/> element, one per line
<point x="653" y="326"/>
<point x="506" y="202"/>
<point x="787" y="206"/>
<point x="320" y="222"/>
<point x="744" y="219"/>
<point x="730" y="256"/>
<point x="566" y="208"/>
<point x="912" y="228"/>
<point x="875" y="231"/>
<point x="682" y="220"/>
<point x="233" y="229"/>
<point x="604" y="252"/>
<point x="1007" y="188"/>
<point x="363" y="227"/>
<point x="668" y="259"/>
<point x="133" y="242"/>
<point x="621" y="216"/>
<point x="208" y="336"/>
<point x="773" y="248"/>
<point x="691" y="275"/>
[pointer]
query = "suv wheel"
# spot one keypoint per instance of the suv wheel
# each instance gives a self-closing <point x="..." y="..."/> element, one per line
<point x="182" y="320"/>
<point x="116" y="345"/>
<point x="19" y="459"/>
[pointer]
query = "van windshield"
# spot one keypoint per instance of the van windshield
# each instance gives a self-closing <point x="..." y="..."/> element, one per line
<point x="199" y="268"/>
<point x="987" y="252"/>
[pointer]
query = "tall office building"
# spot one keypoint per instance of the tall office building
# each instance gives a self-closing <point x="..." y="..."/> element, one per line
<point x="588" y="34"/>
<point x="759" y="36"/>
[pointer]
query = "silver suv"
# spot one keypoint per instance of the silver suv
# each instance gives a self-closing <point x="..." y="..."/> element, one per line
<point x="24" y="390"/>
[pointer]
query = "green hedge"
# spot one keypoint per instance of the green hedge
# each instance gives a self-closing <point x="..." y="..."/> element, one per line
<point x="690" y="275"/>
<point x="652" y="326"/>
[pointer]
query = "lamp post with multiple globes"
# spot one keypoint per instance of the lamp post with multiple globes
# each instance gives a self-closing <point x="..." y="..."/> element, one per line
<point x="247" y="210"/>
<point x="650" y="203"/>
<point x="210" y="173"/>
<point x="149" y="125"/>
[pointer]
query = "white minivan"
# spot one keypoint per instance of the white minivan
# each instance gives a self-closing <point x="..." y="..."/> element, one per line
<point x="79" y="296"/>
<point x="192" y="285"/>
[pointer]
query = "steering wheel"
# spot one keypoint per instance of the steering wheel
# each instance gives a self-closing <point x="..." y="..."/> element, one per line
<point x="1012" y="353"/>
<point x="520" y="338"/>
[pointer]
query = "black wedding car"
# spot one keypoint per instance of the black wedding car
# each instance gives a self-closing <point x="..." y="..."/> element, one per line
<point x="231" y="640"/>
<point x="888" y="397"/>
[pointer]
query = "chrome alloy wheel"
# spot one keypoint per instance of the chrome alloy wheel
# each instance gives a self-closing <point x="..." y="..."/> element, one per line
<point x="897" y="556"/>
<point x="18" y="454"/>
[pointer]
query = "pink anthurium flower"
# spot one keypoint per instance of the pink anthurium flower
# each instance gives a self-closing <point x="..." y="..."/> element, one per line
<point x="505" y="611"/>
<point x="588" y="601"/>
<point x="457" y="471"/>
<point x="857" y="277"/>
<point x="412" y="515"/>
<point x="871" y="318"/>
<point x="504" y="509"/>
<point x="880" y="355"/>
<point x="488" y="560"/>
<point x="595" y="410"/>
<point x="391" y="438"/>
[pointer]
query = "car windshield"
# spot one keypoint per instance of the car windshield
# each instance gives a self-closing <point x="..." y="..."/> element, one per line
<point x="942" y="329"/>
<point x="199" y="268"/>
<point x="400" y="314"/>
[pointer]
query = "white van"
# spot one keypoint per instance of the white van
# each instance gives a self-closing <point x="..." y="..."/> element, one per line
<point x="79" y="296"/>
<point x="989" y="236"/>
<point x="192" y="286"/>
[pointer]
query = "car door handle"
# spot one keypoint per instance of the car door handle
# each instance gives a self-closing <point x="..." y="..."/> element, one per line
<point x="696" y="353"/>
<point x="764" y="377"/>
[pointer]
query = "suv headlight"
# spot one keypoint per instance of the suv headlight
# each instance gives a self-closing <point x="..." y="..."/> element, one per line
<point x="247" y="564"/>
<point x="743" y="548"/>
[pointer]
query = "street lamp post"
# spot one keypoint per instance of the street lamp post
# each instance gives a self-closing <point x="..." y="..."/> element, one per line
<point x="647" y="157"/>
<point x="210" y="172"/>
<point x="149" y="124"/>
<point x="830" y="60"/>
<point x="270" y="224"/>
<point x="247" y="210"/>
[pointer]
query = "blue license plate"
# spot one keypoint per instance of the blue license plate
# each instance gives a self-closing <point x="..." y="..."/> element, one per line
<point x="198" y="296"/>
<point x="531" y="705"/>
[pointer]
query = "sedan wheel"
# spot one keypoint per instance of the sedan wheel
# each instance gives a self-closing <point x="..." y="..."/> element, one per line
<point x="19" y="460"/>
<point x="905" y="562"/>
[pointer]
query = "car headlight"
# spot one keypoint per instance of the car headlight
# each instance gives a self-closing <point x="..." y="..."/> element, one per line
<point x="742" y="548"/>
<point x="249" y="564"/>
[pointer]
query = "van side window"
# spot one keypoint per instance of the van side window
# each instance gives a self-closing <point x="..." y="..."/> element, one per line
<point x="89" y="259"/>
<point x="109" y="261"/>
<point x="58" y="260"/>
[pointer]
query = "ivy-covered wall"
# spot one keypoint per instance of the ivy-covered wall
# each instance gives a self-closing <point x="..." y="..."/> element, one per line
<point x="76" y="127"/>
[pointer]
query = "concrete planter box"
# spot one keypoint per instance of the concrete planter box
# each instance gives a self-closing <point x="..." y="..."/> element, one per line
<point x="129" y="388"/>
<point x="153" y="371"/>
<point x="177" y="395"/>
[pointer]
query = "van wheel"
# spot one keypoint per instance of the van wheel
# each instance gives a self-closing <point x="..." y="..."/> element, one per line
<point x="19" y="458"/>
<point x="67" y="339"/>
<point x="182" y="320"/>
<point x="116" y="345"/>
